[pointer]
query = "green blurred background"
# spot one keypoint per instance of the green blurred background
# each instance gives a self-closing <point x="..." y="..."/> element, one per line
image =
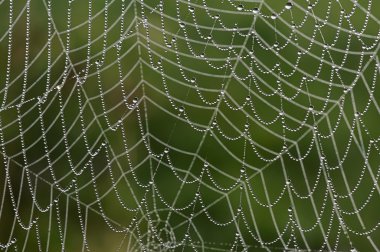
<point x="125" y="60"/>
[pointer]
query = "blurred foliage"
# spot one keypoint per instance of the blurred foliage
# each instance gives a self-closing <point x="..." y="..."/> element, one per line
<point x="165" y="127"/>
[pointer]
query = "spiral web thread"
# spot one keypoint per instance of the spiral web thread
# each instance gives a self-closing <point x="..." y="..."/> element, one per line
<point x="193" y="125"/>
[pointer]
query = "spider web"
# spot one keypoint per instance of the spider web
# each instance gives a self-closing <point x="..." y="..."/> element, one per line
<point x="189" y="125"/>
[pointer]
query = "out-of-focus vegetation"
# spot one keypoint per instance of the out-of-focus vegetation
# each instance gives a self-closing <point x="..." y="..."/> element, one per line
<point x="80" y="117"/>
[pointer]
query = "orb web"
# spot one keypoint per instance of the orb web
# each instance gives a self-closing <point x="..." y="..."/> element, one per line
<point x="189" y="125"/>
